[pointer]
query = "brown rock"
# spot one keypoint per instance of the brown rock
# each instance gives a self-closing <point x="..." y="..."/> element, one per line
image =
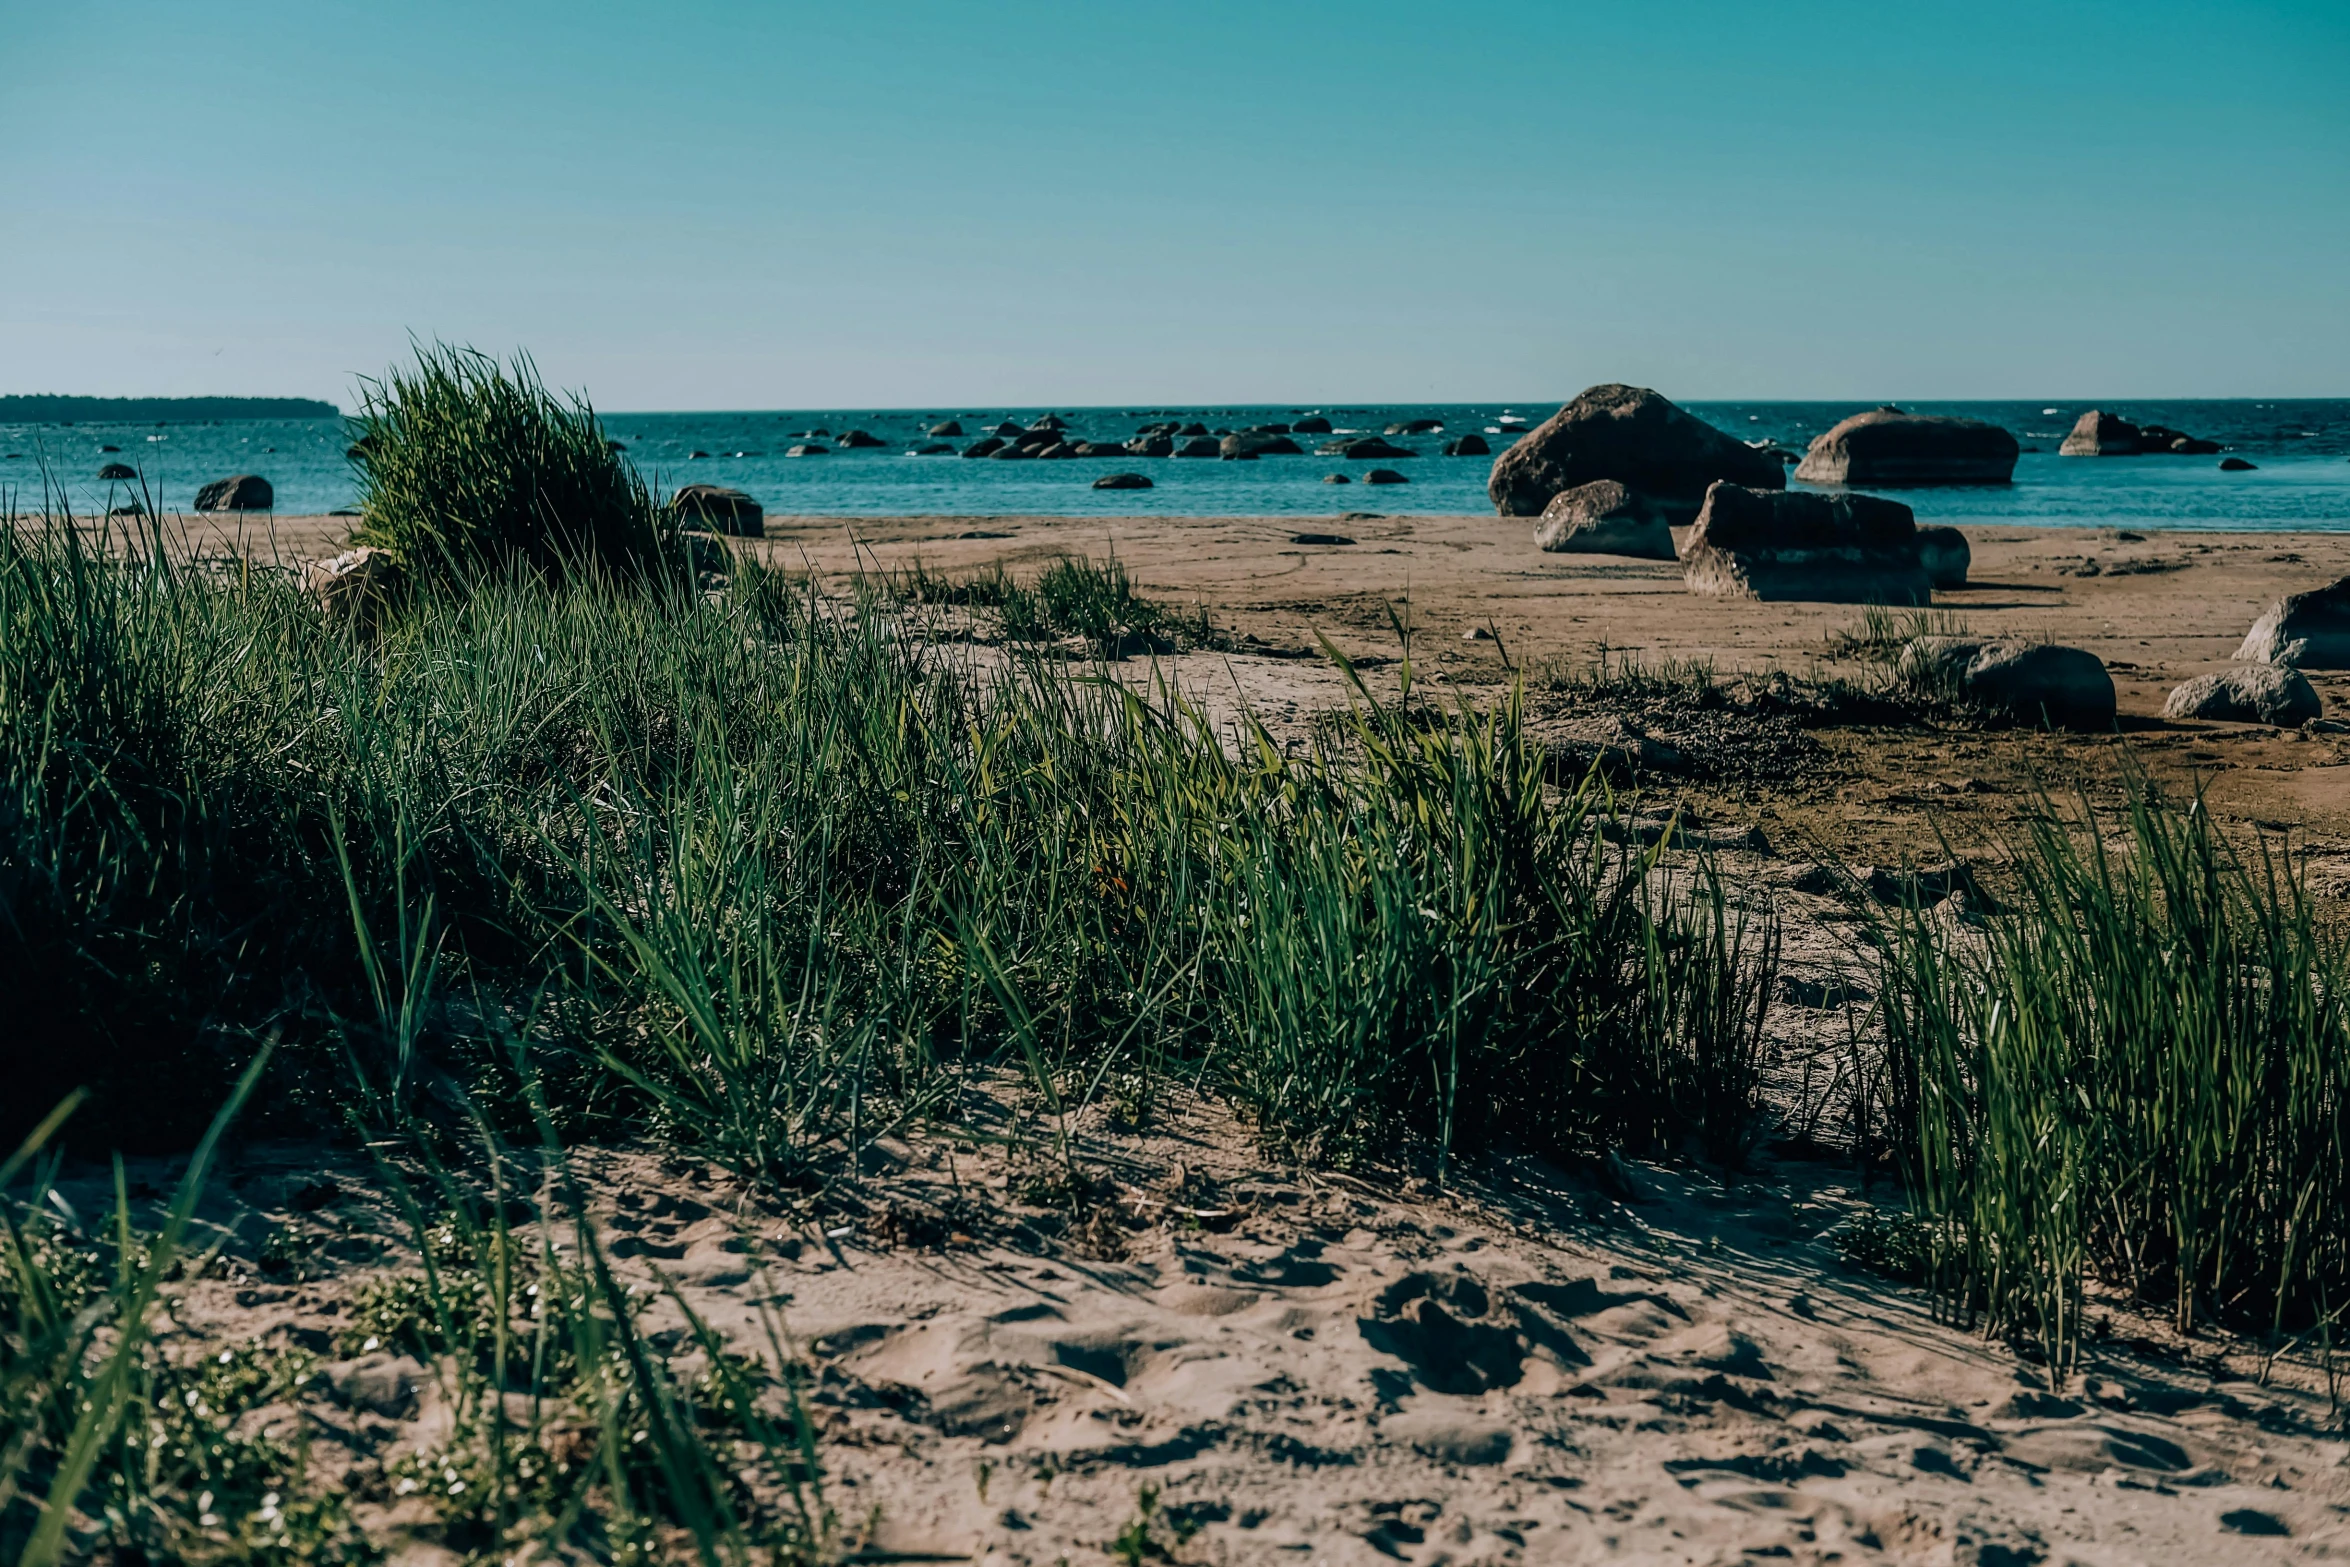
<point x="716" y="509"/>
<point x="2100" y="434"/>
<point x="1631" y="435"/>
<point x="1777" y="544"/>
<point x="1886" y="446"/>
<point x="1604" y="518"/>
<point x="238" y="492"/>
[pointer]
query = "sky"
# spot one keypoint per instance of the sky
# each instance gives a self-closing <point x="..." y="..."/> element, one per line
<point x="697" y="205"/>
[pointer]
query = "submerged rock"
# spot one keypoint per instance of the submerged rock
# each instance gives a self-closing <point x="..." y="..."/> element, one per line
<point x="1311" y="424"/>
<point x="1886" y="446"/>
<point x="807" y="449"/>
<point x="1336" y="478"/>
<point x="117" y="472"/>
<point x="1604" y="518"/>
<point x="1467" y="446"/>
<point x="1123" y="481"/>
<point x="1366" y="448"/>
<point x="2235" y="465"/>
<point x="719" y="510"/>
<point x="1385" y="476"/>
<point x="238" y="492"/>
<point x="1151" y="446"/>
<point x="1778" y="544"/>
<point x="2306" y="630"/>
<point x="985" y="446"/>
<point x="2256" y="694"/>
<point x="1200" y="446"/>
<point x="1251" y="444"/>
<point x="853" y="440"/>
<point x="1635" y="437"/>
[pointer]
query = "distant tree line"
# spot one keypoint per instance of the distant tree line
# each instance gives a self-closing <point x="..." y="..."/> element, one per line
<point x="46" y="409"/>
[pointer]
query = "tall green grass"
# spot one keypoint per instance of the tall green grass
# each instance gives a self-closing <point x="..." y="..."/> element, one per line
<point x="2138" y="1080"/>
<point x="765" y="878"/>
<point x="468" y="467"/>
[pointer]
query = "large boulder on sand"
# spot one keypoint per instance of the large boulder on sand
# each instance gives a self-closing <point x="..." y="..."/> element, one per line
<point x="2100" y="434"/>
<point x="1633" y="436"/>
<point x="1886" y="446"/>
<point x="1781" y="544"/>
<point x="1604" y="518"/>
<point x="717" y="509"/>
<point x="1945" y="555"/>
<point x="2255" y="694"/>
<point x="238" y="492"/>
<point x="2066" y="687"/>
<point x="2307" y="630"/>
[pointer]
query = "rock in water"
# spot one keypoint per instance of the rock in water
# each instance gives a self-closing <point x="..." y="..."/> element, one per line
<point x="807" y="449"/>
<point x="946" y="427"/>
<point x="1248" y="444"/>
<point x="1384" y="476"/>
<point x="716" y="509"/>
<point x="1200" y="446"/>
<point x="2100" y="434"/>
<point x="1151" y="446"/>
<point x="2067" y="687"/>
<point x="2306" y="630"/>
<point x="1311" y="424"/>
<point x="117" y="472"/>
<point x="1776" y="544"/>
<point x="1368" y="448"/>
<point x="1945" y="555"/>
<point x="2255" y="694"/>
<point x="1637" y="438"/>
<point x="1604" y="518"/>
<point x="1336" y="478"/>
<point x="985" y="446"/>
<point x="852" y="440"/>
<point x="1123" y="481"/>
<point x="2226" y="465"/>
<point x="238" y="492"/>
<point x="1467" y="446"/>
<point x="1886" y="446"/>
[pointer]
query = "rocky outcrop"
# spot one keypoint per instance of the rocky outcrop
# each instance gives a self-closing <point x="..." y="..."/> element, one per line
<point x="1887" y="447"/>
<point x="1635" y="437"/>
<point x="717" y="509"/>
<point x="1777" y="544"/>
<point x="1247" y="444"/>
<point x="2256" y="694"/>
<point x="238" y="492"/>
<point x="1604" y="518"/>
<point x="1123" y="481"/>
<point x="985" y="446"/>
<point x="1945" y="555"/>
<point x="1467" y="446"/>
<point x="1368" y="448"/>
<point x="2040" y="682"/>
<point x="1385" y="476"/>
<point x="2100" y="434"/>
<point x="2306" y="630"/>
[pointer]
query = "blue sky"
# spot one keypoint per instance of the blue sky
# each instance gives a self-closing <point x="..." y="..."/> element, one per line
<point x="701" y="205"/>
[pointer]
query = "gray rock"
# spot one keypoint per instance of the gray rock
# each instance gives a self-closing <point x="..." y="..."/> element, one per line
<point x="1336" y="478"/>
<point x="1888" y="447"/>
<point x="117" y="472"/>
<point x="2067" y="687"/>
<point x="807" y="449"/>
<point x="1368" y="448"/>
<point x="717" y="509"/>
<point x="2100" y="434"/>
<point x="2254" y="694"/>
<point x="853" y="440"/>
<point x="238" y="492"/>
<point x="1604" y="518"/>
<point x="1945" y="555"/>
<point x="1007" y="429"/>
<point x="985" y="446"/>
<point x="1012" y="452"/>
<point x="1631" y="435"/>
<point x="1778" y="544"/>
<point x="2226" y="465"/>
<point x="1200" y="446"/>
<point x="1248" y="444"/>
<point x="1467" y="446"/>
<point x="946" y="427"/>
<point x="386" y="1385"/>
<point x="1384" y="476"/>
<point x="2306" y="630"/>
<point x="1151" y="446"/>
<point x="1311" y="424"/>
<point x="1123" y="481"/>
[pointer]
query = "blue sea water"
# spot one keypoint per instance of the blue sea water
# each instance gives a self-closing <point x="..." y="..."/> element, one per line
<point x="2301" y="449"/>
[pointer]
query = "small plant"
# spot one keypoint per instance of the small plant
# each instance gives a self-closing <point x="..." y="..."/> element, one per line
<point x="1891" y="1241"/>
<point x="1883" y="632"/>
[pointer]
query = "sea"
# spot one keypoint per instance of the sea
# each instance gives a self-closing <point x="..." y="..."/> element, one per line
<point x="2300" y="451"/>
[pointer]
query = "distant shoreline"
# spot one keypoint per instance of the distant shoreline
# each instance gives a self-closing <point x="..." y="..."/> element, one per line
<point x="46" y="408"/>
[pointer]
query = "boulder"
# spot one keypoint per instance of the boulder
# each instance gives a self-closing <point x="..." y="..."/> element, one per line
<point x="117" y="472"/>
<point x="1267" y="429"/>
<point x="1604" y="518"/>
<point x="858" y="439"/>
<point x="2100" y="434"/>
<point x="1945" y="555"/>
<point x="1006" y="429"/>
<point x="2226" y="465"/>
<point x="1467" y="446"/>
<point x="1049" y="422"/>
<point x="2306" y="630"/>
<point x="1099" y="449"/>
<point x="2066" y="687"/>
<point x="1336" y="478"/>
<point x="1057" y="450"/>
<point x="1200" y="446"/>
<point x="807" y="449"/>
<point x="1151" y="446"/>
<point x="945" y="427"/>
<point x="985" y="446"/>
<point x="128" y="509"/>
<point x="1012" y="453"/>
<point x="1779" y="544"/>
<point x="238" y="492"/>
<point x="1384" y="476"/>
<point x="717" y="509"/>
<point x="1250" y="444"/>
<point x="1886" y="446"/>
<point x="1415" y="426"/>
<point x="349" y="586"/>
<point x="2256" y="694"/>
<point x="2162" y="438"/>
<point x="1311" y="424"/>
<point x="1163" y="427"/>
<point x="1194" y="428"/>
<point x="934" y="449"/>
<point x="1123" y="481"/>
<point x="1368" y="448"/>
<point x="1635" y="437"/>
